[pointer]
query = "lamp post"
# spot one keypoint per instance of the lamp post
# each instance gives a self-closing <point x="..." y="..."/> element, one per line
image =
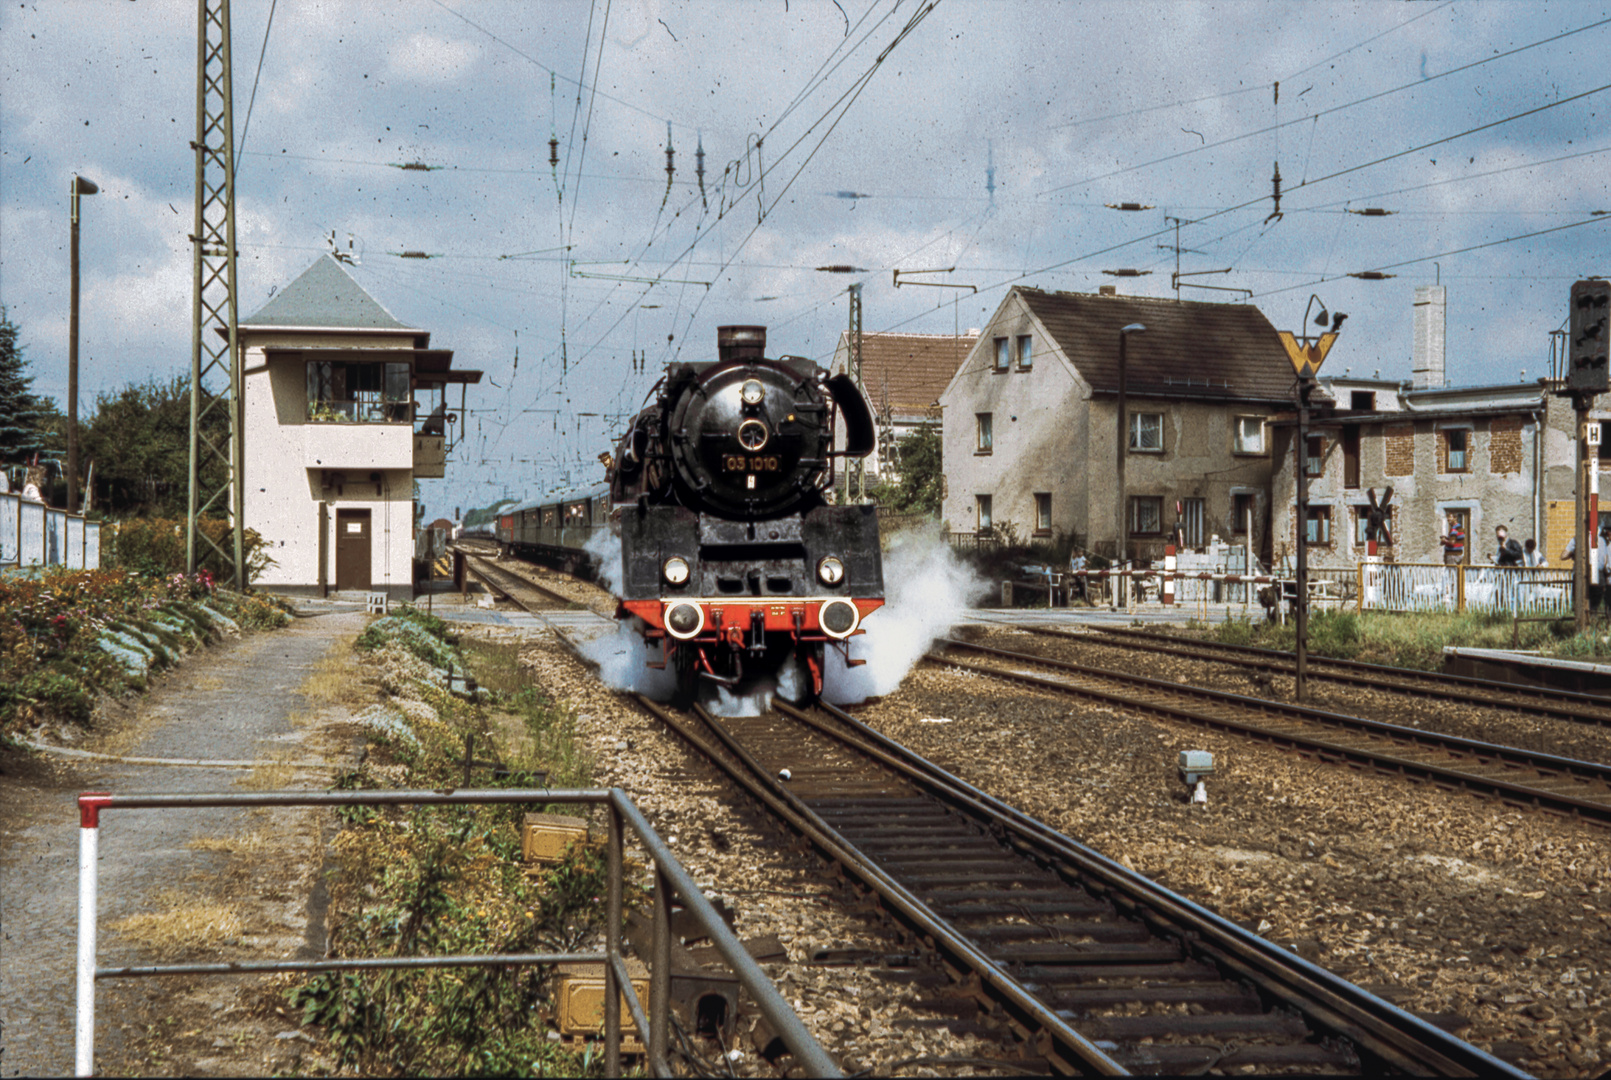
<point x="1121" y="588"/>
<point x="80" y="186"/>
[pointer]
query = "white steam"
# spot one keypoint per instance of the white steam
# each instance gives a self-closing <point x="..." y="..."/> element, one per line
<point x="623" y="656"/>
<point x="927" y="590"/>
<point x="605" y="547"/>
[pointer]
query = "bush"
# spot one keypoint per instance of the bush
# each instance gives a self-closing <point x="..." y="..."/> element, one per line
<point x="157" y="546"/>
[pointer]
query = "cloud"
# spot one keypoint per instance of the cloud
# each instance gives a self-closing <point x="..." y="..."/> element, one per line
<point x="426" y="58"/>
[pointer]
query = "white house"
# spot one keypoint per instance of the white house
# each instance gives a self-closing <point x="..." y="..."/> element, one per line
<point x="344" y="408"/>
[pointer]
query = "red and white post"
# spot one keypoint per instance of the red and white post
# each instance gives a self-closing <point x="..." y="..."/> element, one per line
<point x="1169" y="575"/>
<point x="90" y="805"/>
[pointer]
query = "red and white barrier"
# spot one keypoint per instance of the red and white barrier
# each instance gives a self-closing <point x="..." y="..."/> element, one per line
<point x="90" y="806"/>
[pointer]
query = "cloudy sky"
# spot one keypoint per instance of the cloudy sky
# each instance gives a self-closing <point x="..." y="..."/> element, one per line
<point x="867" y="133"/>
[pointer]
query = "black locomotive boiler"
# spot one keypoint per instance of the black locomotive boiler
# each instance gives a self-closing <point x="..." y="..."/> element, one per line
<point x="733" y="563"/>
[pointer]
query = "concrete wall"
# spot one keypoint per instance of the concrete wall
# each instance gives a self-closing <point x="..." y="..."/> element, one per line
<point x="289" y="460"/>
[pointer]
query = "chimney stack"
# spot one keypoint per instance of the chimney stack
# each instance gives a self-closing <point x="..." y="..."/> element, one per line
<point x="1431" y="306"/>
<point x="1107" y="290"/>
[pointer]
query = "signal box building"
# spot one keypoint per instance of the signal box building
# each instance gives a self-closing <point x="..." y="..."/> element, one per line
<point x="1031" y="418"/>
<point x="903" y="376"/>
<point x="345" y="407"/>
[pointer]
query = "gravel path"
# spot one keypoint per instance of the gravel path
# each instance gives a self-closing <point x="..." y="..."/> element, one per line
<point x="240" y="701"/>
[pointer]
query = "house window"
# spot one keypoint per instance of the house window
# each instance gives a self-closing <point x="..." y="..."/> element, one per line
<point x="986" y="432"/>
<point x="1146" y="432"/>
<point x="1250" y="434"/>
<point x="1317" y="526"/>
<point x="1362" y="400"/>
<point x="984" y="512"/>
<point x="1026" y="358"/>
<point x="1456" y="441"/>
<point x="363" y="393"/>
<point x="1605" y="444"/>
<point x="1350" y="450"/>
<point x="1146" y="515"/>
<point x="1241" y="512"/>
<point x="1003" y="356"/>
<point x="1043" y="513"/>
<point x="1361" y="524"/>
<point x="1314" y="455"/>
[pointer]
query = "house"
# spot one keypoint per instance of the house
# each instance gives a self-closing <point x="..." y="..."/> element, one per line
<point x="1031" y="419"/>
<point x="1488" y="455"/>
<point x="903" y="376"/>
<point x="343" y="407"/>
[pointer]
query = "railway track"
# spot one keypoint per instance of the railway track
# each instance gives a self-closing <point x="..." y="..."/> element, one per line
<point x="1533" y="701"/>
<point x="1522" y="777"/>
<point x="1098" y="968"/>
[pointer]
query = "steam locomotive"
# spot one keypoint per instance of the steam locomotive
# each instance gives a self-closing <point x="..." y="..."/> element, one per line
<point x="735" y="570"/>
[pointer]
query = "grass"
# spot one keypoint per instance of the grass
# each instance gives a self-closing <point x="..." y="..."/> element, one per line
<point x="249" y="844"/>
<point x="269" y="773"/>
<point x="184" y="923"/>
<point x="336" y="680"/>
<point x="1404" y="640"/>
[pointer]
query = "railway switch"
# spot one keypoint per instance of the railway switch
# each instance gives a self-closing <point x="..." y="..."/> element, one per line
<point x="1195" y="765"/>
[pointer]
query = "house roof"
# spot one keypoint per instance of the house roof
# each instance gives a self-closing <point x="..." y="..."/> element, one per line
<point x="1190" y="348"/>
<point x="326" y="296"/>
<point x="914" y="369"/>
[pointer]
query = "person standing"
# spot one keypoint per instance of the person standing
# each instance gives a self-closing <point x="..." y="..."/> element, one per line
<point x="1531" y="555"/>
<point x="1076" y="575"/>
<point x="1510" y="553"/>
<point x="1454" y="542"/>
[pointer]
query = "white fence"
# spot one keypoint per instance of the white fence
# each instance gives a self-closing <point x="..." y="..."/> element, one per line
<point x="1511" y="590"/>
<point x="34" y="536"/>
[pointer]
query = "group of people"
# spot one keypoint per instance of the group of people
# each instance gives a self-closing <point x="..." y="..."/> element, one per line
<point x="1508" y="552"/>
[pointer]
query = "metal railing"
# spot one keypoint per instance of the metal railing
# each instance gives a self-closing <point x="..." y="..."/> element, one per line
<point x="1512" y="590"/>
<point x="669" y="876"/>
<point x="34" y="536"/>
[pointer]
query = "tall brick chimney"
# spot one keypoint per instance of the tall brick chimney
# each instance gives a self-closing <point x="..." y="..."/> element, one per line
<point x="1431" y="306"/>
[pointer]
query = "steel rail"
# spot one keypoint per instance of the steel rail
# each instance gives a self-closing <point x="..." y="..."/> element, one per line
<point x="1391" y="1032"/>
<point x="1572" y="705"/>
<point x="488" y="572"/>
<point x="1049" y="1033"/>
<point x="1587" y="809"/>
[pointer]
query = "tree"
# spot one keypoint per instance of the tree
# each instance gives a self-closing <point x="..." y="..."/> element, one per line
<point x="24" y="416"/>
<point x="139" y="441"/>
<point x="918" y="491"/>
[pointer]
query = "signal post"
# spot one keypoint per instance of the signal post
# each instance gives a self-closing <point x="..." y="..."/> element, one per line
<point x="1588" y="353"/>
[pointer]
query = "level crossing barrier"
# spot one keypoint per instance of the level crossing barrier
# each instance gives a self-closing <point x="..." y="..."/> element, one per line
<point x="669" y="876"/>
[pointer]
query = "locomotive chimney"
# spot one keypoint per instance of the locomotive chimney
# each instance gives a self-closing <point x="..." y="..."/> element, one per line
<point x="740" y="343"/>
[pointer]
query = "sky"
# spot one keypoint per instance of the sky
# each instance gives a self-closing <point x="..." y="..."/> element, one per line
<point x="981" y="135"/>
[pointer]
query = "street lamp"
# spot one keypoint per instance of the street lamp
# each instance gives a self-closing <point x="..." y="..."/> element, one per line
<point x="80" y="186"/>
<point x="1121" y="589"/>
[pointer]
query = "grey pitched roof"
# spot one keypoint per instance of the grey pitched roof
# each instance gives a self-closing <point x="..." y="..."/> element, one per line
<point x="325" y="295"/>
<point x="1190" y="348"/>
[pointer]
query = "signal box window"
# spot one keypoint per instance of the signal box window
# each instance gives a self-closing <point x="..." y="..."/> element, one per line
<point x="1314" y="455"/>
<point x="986" y="432"/>
<point x="1250" y="434"/>
<point x="1456" y="442"/>
<point x="1026" y="357"/>
<point x="1605" y="444"/>
<point x="1003" y="356"/>
<point x="1043" y="513"/>
<point x="1317" y="527"/>
<point x="362" y="393"/>
<point x="984" y="512"/>
<point x="1146" y="432"/>
<point x="1146" y="515"/>
<point x="1241" y="510"/>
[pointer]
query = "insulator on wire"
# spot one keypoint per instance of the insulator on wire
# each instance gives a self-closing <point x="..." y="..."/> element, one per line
<point x="699" y="169"/>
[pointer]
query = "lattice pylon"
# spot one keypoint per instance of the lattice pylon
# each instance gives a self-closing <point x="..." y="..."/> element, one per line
<point x="216" y="448"/>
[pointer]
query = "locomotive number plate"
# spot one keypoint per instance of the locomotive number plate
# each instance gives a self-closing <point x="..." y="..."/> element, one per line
<point x="742" y="463"/>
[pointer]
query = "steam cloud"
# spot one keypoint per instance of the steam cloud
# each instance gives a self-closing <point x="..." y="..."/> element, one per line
<point x="927" y="591"/>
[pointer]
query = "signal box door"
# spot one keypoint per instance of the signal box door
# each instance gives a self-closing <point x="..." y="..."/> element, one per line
<point x="352" y="549"/>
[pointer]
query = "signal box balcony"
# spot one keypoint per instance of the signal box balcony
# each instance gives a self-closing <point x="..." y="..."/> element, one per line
<point x="430" y="457"/>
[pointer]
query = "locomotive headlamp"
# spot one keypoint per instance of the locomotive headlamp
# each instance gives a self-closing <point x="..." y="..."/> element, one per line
<point x="675" y="570"/>
<point x="838" y="618"/>
<point x="752" y="392"/>
<point x="831" y="570"/>
<point x="752" y="434"/>
<point x="684" y="620"/>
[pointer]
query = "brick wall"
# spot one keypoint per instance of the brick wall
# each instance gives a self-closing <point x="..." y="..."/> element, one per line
<point x="1505" y="445"/>
<point x="1400" y="450"/>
